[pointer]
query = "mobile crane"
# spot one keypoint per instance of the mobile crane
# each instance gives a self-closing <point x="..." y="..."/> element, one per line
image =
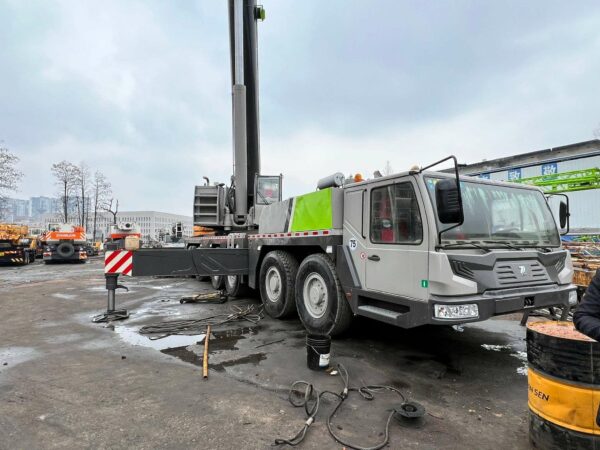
<point x="64" y="242"/>
<point x="418" y="247"/>
<point x="17" y="246"/>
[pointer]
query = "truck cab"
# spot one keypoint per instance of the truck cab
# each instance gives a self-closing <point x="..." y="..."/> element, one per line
<point x="414" y="269"/>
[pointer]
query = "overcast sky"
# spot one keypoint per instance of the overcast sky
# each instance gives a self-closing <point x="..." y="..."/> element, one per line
<point x="141" y="89"/>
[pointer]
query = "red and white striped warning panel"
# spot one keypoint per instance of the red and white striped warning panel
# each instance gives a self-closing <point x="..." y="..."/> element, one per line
<point x="118" y="261"/>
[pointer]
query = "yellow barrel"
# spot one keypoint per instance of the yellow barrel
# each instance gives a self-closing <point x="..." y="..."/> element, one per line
<point x="564" y="387"/>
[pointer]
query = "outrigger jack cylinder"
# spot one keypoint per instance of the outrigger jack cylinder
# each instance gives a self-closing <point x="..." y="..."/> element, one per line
<point x="111" y="312"/>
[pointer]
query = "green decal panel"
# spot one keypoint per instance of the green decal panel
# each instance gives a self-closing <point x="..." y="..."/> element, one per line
<point x="313" y="211"/>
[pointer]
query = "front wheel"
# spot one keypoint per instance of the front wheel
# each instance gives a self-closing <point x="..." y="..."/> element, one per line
<point x="320" y="301"/>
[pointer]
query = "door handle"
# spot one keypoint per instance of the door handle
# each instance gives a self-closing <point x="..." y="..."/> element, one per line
<point x="374" y="258"/>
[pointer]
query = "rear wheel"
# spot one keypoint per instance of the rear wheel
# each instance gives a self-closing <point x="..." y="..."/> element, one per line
<point x="320" y="301"/>
<point x="277" y="277"/>
<point x="217" y="281"/>
<point x="234" y="286"/>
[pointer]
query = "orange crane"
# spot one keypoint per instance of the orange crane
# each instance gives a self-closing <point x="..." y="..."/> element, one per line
<point x="64" y="242"/>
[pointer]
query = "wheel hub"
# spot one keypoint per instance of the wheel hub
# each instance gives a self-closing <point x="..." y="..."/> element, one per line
<point x="273" y="284"/>
<point x="315" y="295"/>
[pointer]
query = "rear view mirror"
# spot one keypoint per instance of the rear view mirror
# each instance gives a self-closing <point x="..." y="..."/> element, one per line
<point x="563" y="212"/>
<point x="447" y="197"/>
<point x="563" y="215"/>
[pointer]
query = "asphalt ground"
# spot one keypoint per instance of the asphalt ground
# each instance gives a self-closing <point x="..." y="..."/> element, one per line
<point x="66" y="382"/>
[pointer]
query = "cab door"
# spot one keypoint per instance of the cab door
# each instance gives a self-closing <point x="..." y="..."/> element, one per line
<point x="397" y="240"/>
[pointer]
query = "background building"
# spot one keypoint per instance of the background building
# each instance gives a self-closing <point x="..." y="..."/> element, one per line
<point x="152" y="223"/>
<point x="44" y="205"/>
<point x="16" y="210"/>
<point x="573" y="169"/>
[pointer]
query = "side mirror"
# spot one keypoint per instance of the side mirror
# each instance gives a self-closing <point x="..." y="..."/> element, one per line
<point x="563" y="214"/>
<point x="447" y="197"/>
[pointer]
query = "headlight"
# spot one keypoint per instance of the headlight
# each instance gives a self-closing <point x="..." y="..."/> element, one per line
<point x="469" y="311"/>
<point x="572" y="298"/>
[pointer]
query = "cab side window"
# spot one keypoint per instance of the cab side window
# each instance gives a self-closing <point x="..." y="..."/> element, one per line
<point x="395" y="216"/>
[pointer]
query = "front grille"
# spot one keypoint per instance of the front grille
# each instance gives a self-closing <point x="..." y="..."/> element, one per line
<point x="520" y="273"/>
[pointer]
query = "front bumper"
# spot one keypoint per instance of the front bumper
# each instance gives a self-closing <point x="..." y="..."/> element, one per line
<point x="408" y="313"/>
<point x="505" y="301"/>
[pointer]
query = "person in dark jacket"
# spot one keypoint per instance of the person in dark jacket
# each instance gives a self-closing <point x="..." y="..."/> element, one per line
<point x="587" y="314"/>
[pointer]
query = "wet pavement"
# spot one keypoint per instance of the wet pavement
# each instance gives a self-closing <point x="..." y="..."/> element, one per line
<point x="66" y="382"/>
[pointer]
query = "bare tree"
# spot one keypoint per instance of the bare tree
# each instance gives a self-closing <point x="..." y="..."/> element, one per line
<point x="66" y="179"/>
<point x="9" y="176"/>
<point x="82" y="186"/>
<point x="101" y="191"/>
<point x="115" y="211"/>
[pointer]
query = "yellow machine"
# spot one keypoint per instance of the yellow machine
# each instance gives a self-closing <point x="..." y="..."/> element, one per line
<point x="16" y="245"/>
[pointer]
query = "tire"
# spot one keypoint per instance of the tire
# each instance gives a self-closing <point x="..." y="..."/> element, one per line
<point x="217" y="282"/>
<point x="276" y="282"/>
<point x="321" y="304"/>
<point x="65" y="249"/>
<point x="234" y="287"/>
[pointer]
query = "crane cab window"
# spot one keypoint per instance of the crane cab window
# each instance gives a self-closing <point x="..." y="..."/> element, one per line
<point x="268" y="190"/>
<point x="395" y="216"/>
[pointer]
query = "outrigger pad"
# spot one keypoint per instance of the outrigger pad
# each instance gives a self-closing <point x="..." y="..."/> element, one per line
<point x="109" y="316"/>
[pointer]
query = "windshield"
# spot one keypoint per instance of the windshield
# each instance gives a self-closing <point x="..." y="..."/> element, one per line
<point x="500" y="214"/>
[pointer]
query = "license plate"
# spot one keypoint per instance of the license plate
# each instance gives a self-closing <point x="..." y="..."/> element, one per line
<point x="1" y="253"/>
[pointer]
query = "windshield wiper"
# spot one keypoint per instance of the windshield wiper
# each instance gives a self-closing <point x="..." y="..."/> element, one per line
<point x="459" y="244"/>
<point x="504" y="243"/>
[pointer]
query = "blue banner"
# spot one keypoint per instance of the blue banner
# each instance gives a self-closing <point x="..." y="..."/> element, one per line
<point x="514" y="174"/>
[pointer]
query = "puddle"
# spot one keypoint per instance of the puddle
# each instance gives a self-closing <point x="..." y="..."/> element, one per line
<point x="64" y="296"/>
<point x="187" y="355"/>
<point x="184" y="354"/>
<point x="166" y="286"/>
<point x="132" y="337"/>
<point x="227" y="339"/>
<point x="253" y="359"/>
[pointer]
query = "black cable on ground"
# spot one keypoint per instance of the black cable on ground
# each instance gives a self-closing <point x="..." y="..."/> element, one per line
<point x="310" y="399"/>
<point x="190" y="327"/>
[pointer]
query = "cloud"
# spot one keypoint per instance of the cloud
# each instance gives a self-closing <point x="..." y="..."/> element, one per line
<point x="141" y="89"/>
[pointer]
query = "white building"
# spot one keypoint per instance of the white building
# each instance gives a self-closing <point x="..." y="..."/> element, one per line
<point x="152" y="223"/>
